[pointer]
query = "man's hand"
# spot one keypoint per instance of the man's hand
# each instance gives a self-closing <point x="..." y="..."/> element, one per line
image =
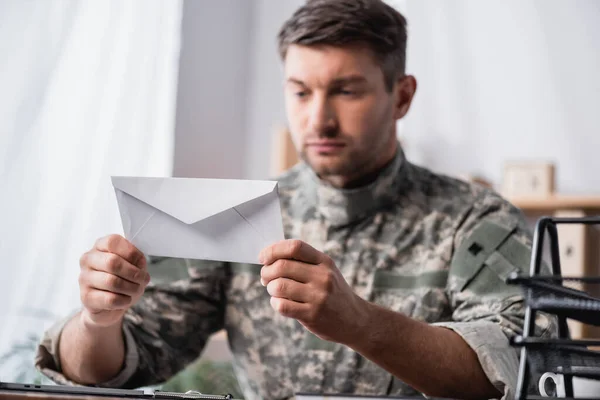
<point x="113" y="277"/>
<point x="306" y="285"/>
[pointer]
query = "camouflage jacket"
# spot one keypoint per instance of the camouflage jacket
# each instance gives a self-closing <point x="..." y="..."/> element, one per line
<point x="423" y="244"/>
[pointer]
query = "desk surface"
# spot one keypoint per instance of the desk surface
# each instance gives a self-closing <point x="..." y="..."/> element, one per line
<point x="42" y="396"/>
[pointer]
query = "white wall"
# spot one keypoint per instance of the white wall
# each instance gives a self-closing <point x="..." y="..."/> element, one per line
<point x="210" y="126"/>
<point x="230" y="96"/>
<point x="502" y="80"/>
<point x="266" y="110"/>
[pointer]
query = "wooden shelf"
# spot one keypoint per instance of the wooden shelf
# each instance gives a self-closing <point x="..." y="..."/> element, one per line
<point x="590" y="204"/>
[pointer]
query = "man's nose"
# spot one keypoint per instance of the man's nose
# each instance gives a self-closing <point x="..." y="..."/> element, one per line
<point x="322" y="119"/>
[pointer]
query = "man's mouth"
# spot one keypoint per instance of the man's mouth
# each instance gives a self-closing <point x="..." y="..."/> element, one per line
<point x="326" y="146"/>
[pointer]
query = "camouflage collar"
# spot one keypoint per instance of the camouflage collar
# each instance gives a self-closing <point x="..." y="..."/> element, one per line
<point x="344" y="206"/>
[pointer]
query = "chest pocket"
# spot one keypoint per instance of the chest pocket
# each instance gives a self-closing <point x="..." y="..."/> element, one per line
<point x="421" y="296"/>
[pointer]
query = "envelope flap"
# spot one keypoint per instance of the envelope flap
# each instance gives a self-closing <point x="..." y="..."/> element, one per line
<point x="192" y="199"/>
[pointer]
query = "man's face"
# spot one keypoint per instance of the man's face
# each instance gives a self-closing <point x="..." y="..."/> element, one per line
<point x="341" y="116"/>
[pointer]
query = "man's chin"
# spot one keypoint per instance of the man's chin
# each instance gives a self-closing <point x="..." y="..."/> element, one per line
<point x="330" y="169"/>
<point x="329" y="165"/>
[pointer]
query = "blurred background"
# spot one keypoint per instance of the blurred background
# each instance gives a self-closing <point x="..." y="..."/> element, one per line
<point x="193" y="88"/>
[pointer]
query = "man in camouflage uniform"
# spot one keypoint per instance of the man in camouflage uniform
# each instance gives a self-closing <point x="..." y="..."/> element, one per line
<point x="393" y="284"/>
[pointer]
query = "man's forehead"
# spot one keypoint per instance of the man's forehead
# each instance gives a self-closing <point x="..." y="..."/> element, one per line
<point x="321" y="64"/>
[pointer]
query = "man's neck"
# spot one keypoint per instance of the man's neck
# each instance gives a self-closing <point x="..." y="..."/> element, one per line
<point x="367" y="175"/>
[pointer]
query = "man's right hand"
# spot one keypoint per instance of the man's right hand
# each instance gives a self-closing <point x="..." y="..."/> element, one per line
<point x="113" y="277"/>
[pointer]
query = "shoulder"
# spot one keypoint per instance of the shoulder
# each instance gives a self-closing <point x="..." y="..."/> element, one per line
<point x="455" y="204"/>
<point x="435" y="192"/>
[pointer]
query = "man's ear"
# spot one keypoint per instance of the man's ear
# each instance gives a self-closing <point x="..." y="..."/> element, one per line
<point x="405" y="89"/>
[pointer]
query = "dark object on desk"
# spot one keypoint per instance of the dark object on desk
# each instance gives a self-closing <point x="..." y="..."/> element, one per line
<point x="341" y="396"/>
<point x="18" y="391"/>
<point x="556" y="360"/>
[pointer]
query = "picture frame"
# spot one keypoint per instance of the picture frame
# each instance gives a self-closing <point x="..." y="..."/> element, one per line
<point x="528" y="179"/>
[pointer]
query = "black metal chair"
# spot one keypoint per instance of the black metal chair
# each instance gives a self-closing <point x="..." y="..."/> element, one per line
<point x="561" y="356"/>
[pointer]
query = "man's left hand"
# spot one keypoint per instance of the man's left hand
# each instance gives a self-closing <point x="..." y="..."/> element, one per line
<point x="306" y="285"/>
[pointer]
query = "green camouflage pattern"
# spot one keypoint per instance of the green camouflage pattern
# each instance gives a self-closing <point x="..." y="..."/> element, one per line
<point x="405" y="242"/>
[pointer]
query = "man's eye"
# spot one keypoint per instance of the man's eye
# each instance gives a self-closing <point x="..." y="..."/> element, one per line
<point x="345" y="92"/>
<point x="300" y="94"/>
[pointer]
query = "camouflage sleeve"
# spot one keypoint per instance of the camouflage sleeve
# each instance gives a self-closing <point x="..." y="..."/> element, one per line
<point x="172" y="322"/>
<point x="492" y="242"/>
<point x="47" y="360"/>
<point x="165" y="331"/>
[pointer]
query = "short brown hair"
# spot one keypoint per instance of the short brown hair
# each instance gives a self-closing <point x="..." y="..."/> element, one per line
<point x="343" y="22"/>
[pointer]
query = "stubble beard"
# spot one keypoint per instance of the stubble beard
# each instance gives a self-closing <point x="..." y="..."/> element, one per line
<point x="351" y="164"/>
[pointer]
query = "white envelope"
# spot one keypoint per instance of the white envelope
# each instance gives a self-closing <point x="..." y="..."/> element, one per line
<point x="207" y="219"/>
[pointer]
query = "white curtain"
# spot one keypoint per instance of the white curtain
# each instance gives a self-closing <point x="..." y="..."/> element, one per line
<point x="87" y="90"/>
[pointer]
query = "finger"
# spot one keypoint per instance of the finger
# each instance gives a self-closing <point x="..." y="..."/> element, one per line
<point x="109" y="283"/>
<point x="290" y="289"/>
<point x="114" y="264"/>
<point x="291" y="249"/>
<point x="98" y="300"/>
<point x="289" y="308"/>
<point x="122" y="247"/>
<point x="291" y="269"/>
